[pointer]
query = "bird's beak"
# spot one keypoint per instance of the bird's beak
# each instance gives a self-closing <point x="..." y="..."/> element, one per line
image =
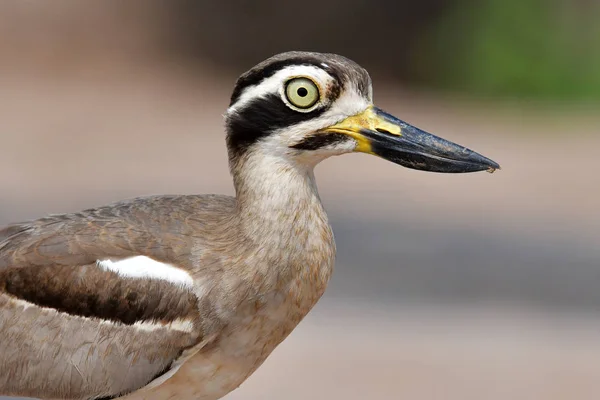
<point x="377" y="132"/>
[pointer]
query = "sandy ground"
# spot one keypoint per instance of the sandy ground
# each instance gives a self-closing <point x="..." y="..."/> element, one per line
<point x="409" y="242"/>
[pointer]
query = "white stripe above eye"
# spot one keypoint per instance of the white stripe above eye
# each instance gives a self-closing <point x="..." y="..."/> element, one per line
<point x="274" y="83"/>
<point x="143" y="267"/>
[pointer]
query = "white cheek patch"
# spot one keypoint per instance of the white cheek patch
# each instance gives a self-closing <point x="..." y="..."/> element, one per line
<point x="274" y="84"/>
<point x="142" y="267"/>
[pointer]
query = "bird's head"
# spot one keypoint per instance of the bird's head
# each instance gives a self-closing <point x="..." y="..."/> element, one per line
<point x="308" y="106"/>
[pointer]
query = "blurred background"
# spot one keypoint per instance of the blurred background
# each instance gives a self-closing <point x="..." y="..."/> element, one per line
<point x="447" y="287"/>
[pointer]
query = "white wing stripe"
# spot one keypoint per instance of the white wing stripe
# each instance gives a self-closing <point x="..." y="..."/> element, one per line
<point x="144" y="267"/>
<point x="182" y="325"/>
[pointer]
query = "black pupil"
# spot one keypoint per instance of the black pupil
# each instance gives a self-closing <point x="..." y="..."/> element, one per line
<point x="302" y="92"/>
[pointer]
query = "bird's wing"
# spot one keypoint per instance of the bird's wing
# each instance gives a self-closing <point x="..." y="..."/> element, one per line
<point x="89" y="308"/>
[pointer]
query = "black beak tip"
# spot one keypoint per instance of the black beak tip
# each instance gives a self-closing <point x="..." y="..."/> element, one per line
<point x="420" y="150"/>
<point x="449" y="163"/>
<point x="489" y="165"/>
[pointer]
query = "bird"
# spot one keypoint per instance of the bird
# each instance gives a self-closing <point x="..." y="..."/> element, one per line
<point x="185" y="296"/>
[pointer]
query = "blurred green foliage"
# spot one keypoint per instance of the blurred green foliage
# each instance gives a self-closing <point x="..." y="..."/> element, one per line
<point x="547" y="49"/>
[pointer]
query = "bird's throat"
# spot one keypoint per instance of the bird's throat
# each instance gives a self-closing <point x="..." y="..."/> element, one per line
<point x="275" y="195"/>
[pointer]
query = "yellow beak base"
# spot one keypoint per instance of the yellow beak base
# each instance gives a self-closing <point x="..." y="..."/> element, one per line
<point x="368" y="120"/>
<point x="377" y="132"/>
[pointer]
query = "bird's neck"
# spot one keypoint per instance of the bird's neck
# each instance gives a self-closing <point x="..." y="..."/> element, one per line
<point x="276" y="195"/>
<point x="284" y="227"/>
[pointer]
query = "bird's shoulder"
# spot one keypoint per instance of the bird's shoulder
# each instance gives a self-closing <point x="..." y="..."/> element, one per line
<point x="161" y="227"/>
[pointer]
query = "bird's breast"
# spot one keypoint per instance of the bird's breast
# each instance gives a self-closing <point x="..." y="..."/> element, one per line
<point x="263" y="289"/>
<point x="242" y="346"/>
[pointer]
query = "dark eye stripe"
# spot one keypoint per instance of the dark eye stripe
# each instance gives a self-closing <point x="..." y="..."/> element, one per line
<point x="320" y="140"/>
<point x="259" y="118"/>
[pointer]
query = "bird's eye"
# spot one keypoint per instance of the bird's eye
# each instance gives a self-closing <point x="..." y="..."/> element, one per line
<point x="302" y="92"/>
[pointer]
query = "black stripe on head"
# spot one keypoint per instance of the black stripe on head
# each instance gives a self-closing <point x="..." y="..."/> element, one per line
<point x="320" y="140"/>
<point x="259" y="119"/>
<point x="340" y="68"/>
<point x="270" y="66"/>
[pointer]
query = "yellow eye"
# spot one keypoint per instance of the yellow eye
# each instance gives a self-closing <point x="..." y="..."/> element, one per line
<point x="302" y="92"/>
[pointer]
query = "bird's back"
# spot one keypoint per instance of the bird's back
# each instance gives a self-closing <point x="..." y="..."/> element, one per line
<point x="154" y="225"/>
